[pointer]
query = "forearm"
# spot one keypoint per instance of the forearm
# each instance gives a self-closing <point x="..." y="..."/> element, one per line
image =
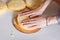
<point x="42" y="8"/>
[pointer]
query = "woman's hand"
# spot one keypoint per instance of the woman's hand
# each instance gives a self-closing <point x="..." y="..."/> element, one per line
<point x="40" y="21"/>
<point x="35" y="22"/>
<point x="37" y="12"/>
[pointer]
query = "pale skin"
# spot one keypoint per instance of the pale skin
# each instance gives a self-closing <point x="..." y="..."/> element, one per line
<point x="41" y="21"/>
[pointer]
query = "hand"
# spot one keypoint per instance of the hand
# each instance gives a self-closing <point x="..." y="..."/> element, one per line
<point x="35" y="22"/>
<point x="32" y="13"/>
<point x="40" y="21"/>
<point x="38" y="11"/>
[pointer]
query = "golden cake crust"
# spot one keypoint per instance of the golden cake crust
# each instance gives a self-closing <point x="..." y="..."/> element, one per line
<point x="19" y="26"/>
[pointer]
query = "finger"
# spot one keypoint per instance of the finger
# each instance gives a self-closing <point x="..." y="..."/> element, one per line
<point x="29" y="25"/>
<point x="25" y="10"/>
<point x="33" y="16"/>
<point x="29" y="14"/>
<point x="25" y="13"/>
<point x="36" y="26"/>
<point x="29" y="20"/>
<point x="33" y="26"/>
<point x="34" y="19"/>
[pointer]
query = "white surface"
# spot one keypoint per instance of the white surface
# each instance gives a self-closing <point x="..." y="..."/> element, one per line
<point x="51" y="32"/>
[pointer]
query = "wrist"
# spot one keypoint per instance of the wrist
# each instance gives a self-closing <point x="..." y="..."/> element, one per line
<point x="42" y="22"/>
<point x="52" y="20"/>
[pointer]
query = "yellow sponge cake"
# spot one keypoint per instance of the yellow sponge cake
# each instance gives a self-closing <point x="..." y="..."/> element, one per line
<point x="16" y="5"/>
<point x="33" y="4"/>
<point x="3" y="7"/>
